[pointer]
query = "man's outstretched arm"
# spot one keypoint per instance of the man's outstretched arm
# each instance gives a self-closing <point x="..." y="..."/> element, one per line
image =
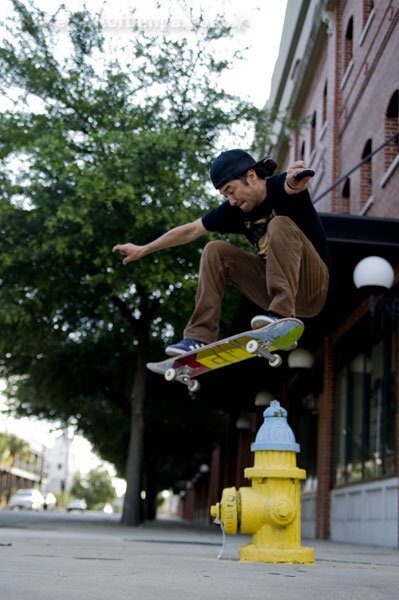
<point x="183" y="234"/>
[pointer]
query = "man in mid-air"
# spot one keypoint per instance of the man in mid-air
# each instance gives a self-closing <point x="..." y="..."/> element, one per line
<point x="289" y="275"/>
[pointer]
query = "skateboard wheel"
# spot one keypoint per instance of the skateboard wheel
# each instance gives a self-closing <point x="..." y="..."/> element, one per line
<point x="170" y="374"/>
<point x="275" y="361"/>
<point x="193" y="386"/>
<point x="252" y="346"/>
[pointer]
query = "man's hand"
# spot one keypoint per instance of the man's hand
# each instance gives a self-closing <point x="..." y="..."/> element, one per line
<point x="183" y="234"/>
<point x="129" y="251"/>
<point x="292" y="184"/>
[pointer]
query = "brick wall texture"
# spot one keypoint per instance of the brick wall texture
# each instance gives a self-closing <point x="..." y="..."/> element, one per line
<point x="358" y="114"/>
<point x="361" y="107"/>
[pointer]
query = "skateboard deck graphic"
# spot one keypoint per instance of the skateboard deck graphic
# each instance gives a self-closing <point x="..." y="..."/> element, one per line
<point x="281" y="335"/>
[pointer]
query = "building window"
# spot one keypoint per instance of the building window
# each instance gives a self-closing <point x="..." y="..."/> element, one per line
<point x="303" y="151"/>
<point x="324" y="108"/>
<point x="366" y="177"/>
<point x="346" y="196"/>
<point x="348" y="45"/>
<point x="295" y="69"/>
<point x="391" y="150"/>
<point x="313" y="133"/>
<point x="365" y="405"/>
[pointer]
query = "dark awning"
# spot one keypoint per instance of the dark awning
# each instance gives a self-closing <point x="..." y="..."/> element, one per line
<point x="351" y="238"/>
<point x="368" y="231"/>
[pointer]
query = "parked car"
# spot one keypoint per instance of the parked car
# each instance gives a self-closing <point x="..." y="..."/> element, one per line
<point x="29" y="498"/>
<point x="76" y="505"/>
<point x="50" y="501"/>
<point x="106" y="508"/>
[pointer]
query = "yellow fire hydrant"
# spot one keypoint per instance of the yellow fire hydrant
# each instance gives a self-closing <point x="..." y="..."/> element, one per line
<point x="270" y="509"/>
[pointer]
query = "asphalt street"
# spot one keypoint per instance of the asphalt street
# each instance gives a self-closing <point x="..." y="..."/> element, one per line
<point x="91" y="556"/>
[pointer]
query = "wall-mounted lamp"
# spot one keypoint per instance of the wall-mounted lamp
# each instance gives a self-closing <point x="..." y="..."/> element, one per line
<point x="300" y="359"/>
<point x="263" y="398"/>
<point x="376" y="275"/>
<point x="243" y="423"/>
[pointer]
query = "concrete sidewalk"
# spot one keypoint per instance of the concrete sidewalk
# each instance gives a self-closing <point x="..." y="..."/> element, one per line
<point x="79" y="559"/>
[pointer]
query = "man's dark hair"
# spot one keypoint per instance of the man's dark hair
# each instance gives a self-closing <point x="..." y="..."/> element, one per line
<point x="262" y="172"/>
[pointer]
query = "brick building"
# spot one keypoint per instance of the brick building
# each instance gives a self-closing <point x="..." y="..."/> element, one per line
<point x="336" y="83"/>
<point x="337" y="79"/>
<point x="339" y="82"/>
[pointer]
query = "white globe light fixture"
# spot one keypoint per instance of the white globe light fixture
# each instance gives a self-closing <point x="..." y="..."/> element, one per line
<point x="373" y="271"/>
<point x="300" y="359"/>
<point x="376" y="276"/>
<point x="243" y="423"/>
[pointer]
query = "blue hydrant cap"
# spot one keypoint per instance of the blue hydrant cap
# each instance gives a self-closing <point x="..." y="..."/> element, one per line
<point x="275" y="433"/>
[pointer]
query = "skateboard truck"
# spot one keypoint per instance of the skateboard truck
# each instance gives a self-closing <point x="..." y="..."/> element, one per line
<point x="261" y="350"/>
<point x="182" y="375"/>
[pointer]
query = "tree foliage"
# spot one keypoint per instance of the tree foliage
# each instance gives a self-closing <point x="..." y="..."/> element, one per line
<point x="96" y="488"/>
<point x="12" y="446"/>
<point x="100" y="148"/>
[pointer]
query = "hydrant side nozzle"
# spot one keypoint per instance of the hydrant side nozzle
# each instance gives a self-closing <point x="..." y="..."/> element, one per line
<point x="230" y="510"/>
<point x="215" y="510"/>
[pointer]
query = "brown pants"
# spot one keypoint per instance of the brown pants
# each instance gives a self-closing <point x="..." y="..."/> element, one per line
<point x="292" y="282"/>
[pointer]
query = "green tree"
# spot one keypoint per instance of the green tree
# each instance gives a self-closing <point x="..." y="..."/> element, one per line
<point x="99" y="149"/>
<point x="3" y="446"/>
<point x="11" y="447"/>
<point x="96" y="488"/>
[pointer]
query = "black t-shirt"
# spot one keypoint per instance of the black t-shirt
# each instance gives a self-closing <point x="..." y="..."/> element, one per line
<point x="299" y="207"/>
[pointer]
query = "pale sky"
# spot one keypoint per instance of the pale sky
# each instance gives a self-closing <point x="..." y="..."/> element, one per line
<point x="256" y="24"/>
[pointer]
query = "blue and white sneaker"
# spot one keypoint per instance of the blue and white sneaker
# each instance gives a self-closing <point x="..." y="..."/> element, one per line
<point x="270" y="317"/>
<point x="263" y="320"/>
<point x="183" y="347"/>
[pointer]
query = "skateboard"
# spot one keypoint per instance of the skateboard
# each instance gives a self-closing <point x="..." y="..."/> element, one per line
<point x="263" y="342"/>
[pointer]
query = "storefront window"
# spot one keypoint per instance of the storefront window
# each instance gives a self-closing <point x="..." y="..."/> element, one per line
<point x="365" y="407"/>
<point x="303" y="417"/>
